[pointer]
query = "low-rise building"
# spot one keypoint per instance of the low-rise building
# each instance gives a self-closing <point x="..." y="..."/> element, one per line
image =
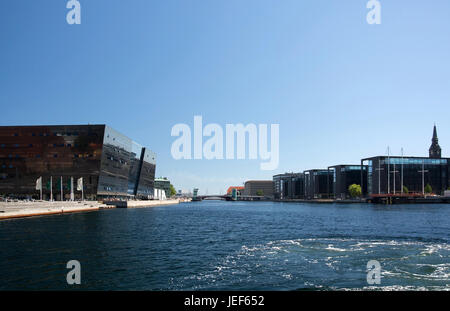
<point x="239" y="190"/>
<point x="289" y="186"/>
<point x="343" y="176"/>
<point x="387" y="174"/>
<point x="164" y="184"/>
<point x="317" y="183"/>
<point x="258" y="188"/>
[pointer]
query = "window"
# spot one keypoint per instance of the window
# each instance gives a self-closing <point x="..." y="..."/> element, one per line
<point x="38" y="156"/>
<point x="55" y="155"/>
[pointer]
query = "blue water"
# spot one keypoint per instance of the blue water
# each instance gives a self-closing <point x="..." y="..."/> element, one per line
<point x="218" y="245"/>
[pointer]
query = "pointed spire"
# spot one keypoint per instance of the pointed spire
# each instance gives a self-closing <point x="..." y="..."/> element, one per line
<point x="435" y="149"/>
<point x="435" y="137"/>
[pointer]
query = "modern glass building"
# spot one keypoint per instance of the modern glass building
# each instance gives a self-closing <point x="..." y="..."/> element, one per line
<point x="343" y="176"/>
<point x="111" y="164"/>
<point x="289" y="186"/>
<point x="386" y="175"/>
<point x="317" y="183"/>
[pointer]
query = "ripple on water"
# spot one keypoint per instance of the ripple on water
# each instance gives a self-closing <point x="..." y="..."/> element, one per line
<point x="322" y="263"/>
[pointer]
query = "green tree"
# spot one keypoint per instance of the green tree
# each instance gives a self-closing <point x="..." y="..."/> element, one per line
<point x="259" y="193"/>
<point x="428" y="189"/>
<point x="355" y="190"/>
<point x="405" y="190"/>
<point x="172" y="190"/>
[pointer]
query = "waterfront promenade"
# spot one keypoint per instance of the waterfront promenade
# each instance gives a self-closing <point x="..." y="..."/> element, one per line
<point x="19" y="209"/>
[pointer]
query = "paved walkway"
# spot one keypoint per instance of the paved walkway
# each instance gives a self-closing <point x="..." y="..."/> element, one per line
<point x="37" y="208"/>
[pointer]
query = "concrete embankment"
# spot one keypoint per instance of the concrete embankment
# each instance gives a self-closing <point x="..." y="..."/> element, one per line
<point x="141" y="204"/>
<point x="40" y="208"/>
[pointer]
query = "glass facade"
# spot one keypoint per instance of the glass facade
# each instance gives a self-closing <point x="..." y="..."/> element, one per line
<point x="289" y="186"/>
<point x="127" y="168"/>
<point x="386" y="174"/>
<point x="28" y="152"/>
<point x="317" y="183"/>
<point x="345" y="175"/>
<point x="110" y="163"/>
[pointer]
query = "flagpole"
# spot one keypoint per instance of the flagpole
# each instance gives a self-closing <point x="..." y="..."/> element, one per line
<point x="389" y="173"/>
<point x="40" y="188"/>
<point x="402" y="170"/>
<point x="61" y="186"/>
<point x="51" y="188"/>
<point x="71" y="189"/>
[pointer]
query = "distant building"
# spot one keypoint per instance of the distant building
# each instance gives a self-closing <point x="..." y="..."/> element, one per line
<point x="239" y="189"/>
<point x="343" y="176"/>
<point x="184" y="193"/>
<point x="259" y="187"/>
<point x="164" y="184"/>
<point x="387" y="174"/>
<point x="289" y="186"/>
<point x="317" y="183"/>
<point x="111" y="164"/>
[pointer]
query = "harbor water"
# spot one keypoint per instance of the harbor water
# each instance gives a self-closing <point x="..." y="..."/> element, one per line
<point x="219" y="245"/>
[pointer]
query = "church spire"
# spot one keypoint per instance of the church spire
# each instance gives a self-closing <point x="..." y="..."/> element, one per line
<point x="435" y="149"/>
<point x="435" y="138"/>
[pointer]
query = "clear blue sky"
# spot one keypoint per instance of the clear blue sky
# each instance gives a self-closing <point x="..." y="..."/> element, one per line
<point x="339" y="88"/>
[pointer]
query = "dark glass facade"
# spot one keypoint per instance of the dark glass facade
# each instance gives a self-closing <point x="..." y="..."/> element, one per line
<point x="317" y="183"/>
<point x="289" y="186"/>
<point x="110" y="163"/>
<point x="343" y="176"/>
<point x="415" y="172"/>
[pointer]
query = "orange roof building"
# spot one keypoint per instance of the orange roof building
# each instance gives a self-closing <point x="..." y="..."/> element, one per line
<point x="230" y="189"/>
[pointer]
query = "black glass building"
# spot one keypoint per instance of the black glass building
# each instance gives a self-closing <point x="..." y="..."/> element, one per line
<point x="317" y="183"/>
<point x="386" y="175"/>
<point x="343" y="176"/>
<point x="289" y="186"/>
<point x="389" y="174"/>
<point x="111" y="164"/>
